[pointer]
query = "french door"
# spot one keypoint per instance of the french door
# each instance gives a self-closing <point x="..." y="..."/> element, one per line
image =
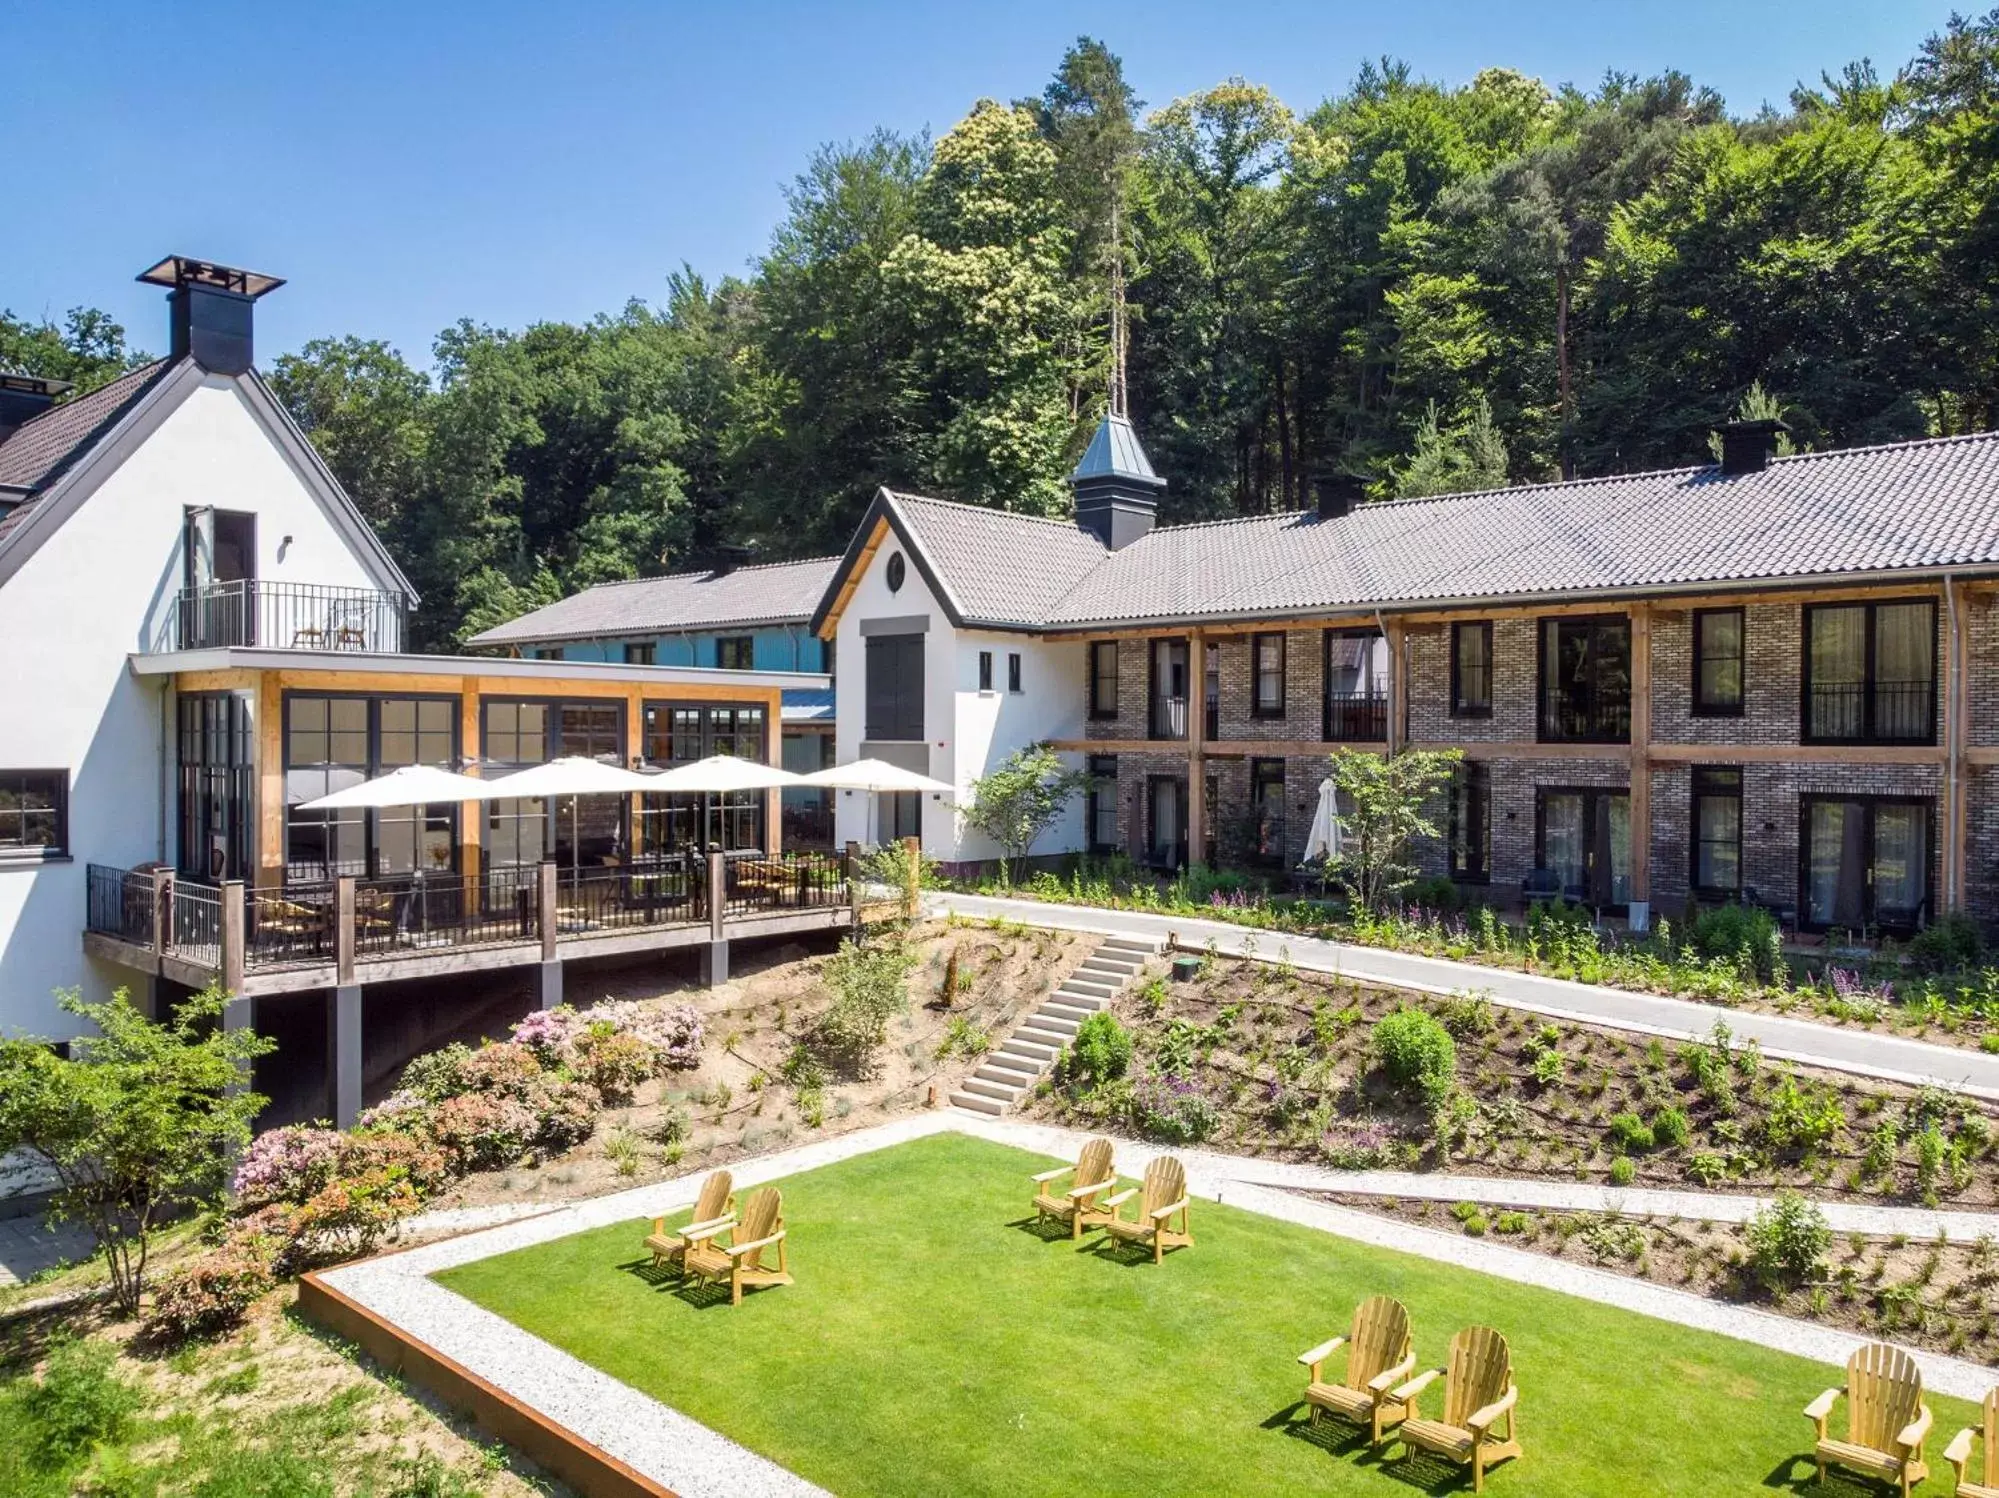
<point x="1166" y="821"/>
<point x="1866" y="862"/>
<point x="1584" y="837"/>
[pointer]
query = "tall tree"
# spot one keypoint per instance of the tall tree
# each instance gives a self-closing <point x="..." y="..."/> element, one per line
<point x="88" y="349"/>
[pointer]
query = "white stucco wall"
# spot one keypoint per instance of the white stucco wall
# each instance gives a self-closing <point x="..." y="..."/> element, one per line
<point x="992" y="725"/>
<point x="97" y="590"/>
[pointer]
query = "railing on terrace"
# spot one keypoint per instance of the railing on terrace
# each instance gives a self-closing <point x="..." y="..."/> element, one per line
<point x="666" y="892"/>
<point x="286" y="616"/>
<point x="1881" y="712"/>
<point x="1360" y="717"/>
<point x="122" y="903"/>
<point x="1578" y="715"/>
<point x="498" y="907"/>
<point x="195" y="927"/>
<point x="795" y="881"/>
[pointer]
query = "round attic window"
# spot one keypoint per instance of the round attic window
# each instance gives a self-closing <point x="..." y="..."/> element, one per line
<point x="896" y="569"/>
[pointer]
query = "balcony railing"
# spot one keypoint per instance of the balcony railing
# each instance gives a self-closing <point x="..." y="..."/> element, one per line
<point x="1360" y="717"/>
<point x="1585" y="717"/>
<point x="1882" y="712"/>
<point x="1169" y="717"/>
<point x="286" y="616"/>
<point x="122" y="903"/>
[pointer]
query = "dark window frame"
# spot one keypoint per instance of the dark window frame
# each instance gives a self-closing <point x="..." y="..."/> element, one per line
<point x="1869" y="682"/>
<point x="1180" y="850"/>
<point x="1013" y="669"/>
<point x="985" y="670"/>
<point x="1261" y="782"/>
<point x="1588" y="793"/>
<point x="1611" y="622"/>
<point x="1461" y="705"/>
<point x="1703" y="786"/>
<point x="1700" y="707"/>
<point x="1101" y="650"/>
<point x="893" y="704"/>
<point x="1470" y="793"/>
<point x="640" y="652"/>
<point x="57" y="790"/>
<point x="730" y="645"/>
<point x="217" y="784"/>
<point x="1924" y="914"/>
<point x="1101" y="796"/>
<point x="1153" y="701"/>
<point x="371" y="821"/>
<point x="738" y="820"/>
<point x="1258" y="708"/>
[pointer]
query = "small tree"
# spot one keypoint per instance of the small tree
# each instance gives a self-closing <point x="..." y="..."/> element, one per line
<point x="1389" y="800"/>
<point x="1020" y="800"/>
<point x="137" y="1125"/>
<point x="870" y="984"/>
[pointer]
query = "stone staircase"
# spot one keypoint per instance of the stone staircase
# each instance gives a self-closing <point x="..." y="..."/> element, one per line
<point x="1009" y="1073"/>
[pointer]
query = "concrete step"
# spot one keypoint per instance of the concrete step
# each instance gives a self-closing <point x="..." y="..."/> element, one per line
<point x="1066" y="1009"/>
<point x="1088" y="1001"/>
<point x="1029" y="1048"/>
<point x="1035" y="1033"/>
<point x="1075" y="983"/>
<point x="976" y="1104"/>
<point x="1013" y="1064"/>
<point x="1113" y="963"/>
<point x="1004" y="1092"/>
<point x="1042" y="1019"/>
<point x="1149" y="946"/>
<point x="1019" y="1081"/>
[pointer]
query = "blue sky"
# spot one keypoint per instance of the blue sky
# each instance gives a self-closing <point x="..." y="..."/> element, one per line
<point x="405" y="165"/>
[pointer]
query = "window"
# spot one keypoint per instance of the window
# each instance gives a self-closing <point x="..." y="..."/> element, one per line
<point x="34" y="814"/>
<point x="678" y="733"/>
<point x="1583" y="837"/>
<point x="1356" y="687"/>
<point x="1167" y="718"/>
<point x="1586" y="680"/>
<point x="1103" y="679"/>
<point x="1267" y="670"/>
<point x="638" y="652"/>
<point x="1470" y="831"/>
<point x="335" y="742"/>
<point x="1870" y="673"/>
<point x="1717" y="826"/>
<point x="1865" y="862"/>
<point x="1718" y="654"/>
<point x="1100" y="804"/>
<point x="1266" y="810"/>
<point x="1013" y="670"/>
<point x="548" y="653"/>
<point x="218" y="805"/>
<point x="1471" y="669"/>
<point x="897" y="570"/>
<point x="985" y="670"/>
<point x="734" y="653"/>
<point x="892" y="690"/>
<point x="590" y="829"/>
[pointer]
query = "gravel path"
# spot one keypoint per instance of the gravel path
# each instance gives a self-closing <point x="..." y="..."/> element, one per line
<point x="1858" y="1051"/>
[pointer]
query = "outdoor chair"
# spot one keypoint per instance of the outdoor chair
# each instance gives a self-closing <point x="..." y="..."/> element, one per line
<point x="1091" y="1178"/>
<point x="744" y="1261"/>
<point x="1541" y="886"/>
<point x="713" y="1211"/>
<point x="1478" y="1393"/>
<point x="1958" y="1452"/>
<point x="1886" y="1419"/>
<point x="1378" y="1358"/>
<point x="1162" y="1197"/>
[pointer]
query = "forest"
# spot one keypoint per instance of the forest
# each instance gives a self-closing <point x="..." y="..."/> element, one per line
<point x="1426" y="287"/>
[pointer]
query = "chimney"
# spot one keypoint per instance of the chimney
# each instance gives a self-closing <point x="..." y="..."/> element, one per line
<point x="1338" y="492"/>
<point x="728" y="558"/>
<point x="1117" y="493"/>
<point x="23" y="398"/>
<point x="210" y="308"/>
<point x="1748" y="446"/>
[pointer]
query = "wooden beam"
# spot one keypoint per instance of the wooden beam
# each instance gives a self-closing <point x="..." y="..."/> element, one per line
<point x="269" y="854"/>
<point x="1197" y="734"/>
<point x="471" y="814"/>
<point x="1398" y="685"/>
<point x="853" y="579"/>
<point x="1641" y="764"/>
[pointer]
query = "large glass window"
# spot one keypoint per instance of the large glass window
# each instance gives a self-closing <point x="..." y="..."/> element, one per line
<point x="1356" y="687"/>
<point x="1103" y="679"/>
<point x="678" y="733"/>
<point x="1471" y="669"/>
<point x="1866" y="862"/>
<point x="1586" y="680"/>
<point x="1717" y="825"/>
<point x="1870" y="673"/>
<point x="416" y="731"/>
<point x="1266" y="810"/>
<point x="735" y="653"/>
<point x="1267" y="672"/>
<point x="1583" y="837"/>
<point x="1470" y="831"/>
<point x="1718" y="654"/>
<point x="218" y="807"/>
<point x="1100" y="804"/>
<point x="34" y="814"/>
<point x="335" y="742"/>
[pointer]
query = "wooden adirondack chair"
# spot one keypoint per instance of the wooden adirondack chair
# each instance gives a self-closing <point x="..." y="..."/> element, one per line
<point x="1378" y="1358"/>
<point x="713" y="1211"/>
<point x="1092" y="1177"/>
<point x="1163" y="1195"/>
<point x="1958" y="1453"/>
<point x="1478" y="1392"/>
<point x="744" y="1260"/>
<point x="1886" y="1419"/>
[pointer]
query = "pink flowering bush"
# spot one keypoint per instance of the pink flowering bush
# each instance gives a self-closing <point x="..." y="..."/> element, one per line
<point x="565" y="1115"/>
<point x="503" y="1068"/>
<point x="611" y="1060"/>
<point x="674" y="1033"/>
<point x="348" y="1218"/>
<point x="481" y="1131"/>
<point x="287" y="1165"/>
<point x="212" y="1292"/>
<point x="549" y="1033"/>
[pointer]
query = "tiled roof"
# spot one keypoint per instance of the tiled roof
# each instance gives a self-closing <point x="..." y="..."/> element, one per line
<point x="999" y="568"/>
<point x="773" y="593"/>
<point x="39" y="452"/>
<point x="808" y="705"/>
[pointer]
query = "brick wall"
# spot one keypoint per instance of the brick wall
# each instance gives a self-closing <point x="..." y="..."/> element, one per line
<point x="1515" y="664"/>
<point x="1772" y="680"/>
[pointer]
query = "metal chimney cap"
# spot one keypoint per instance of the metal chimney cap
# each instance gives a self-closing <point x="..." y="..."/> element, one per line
<point x="184" y="270"/>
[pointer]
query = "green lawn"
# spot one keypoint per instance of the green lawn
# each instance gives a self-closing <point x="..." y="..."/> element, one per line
<point x="934" y="1343"/>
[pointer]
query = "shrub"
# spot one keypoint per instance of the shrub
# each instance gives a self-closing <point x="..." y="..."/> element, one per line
<point x="1631" y="1132"/>
<point x="674" y="1031"/>
<point x="1510" y="1223"/>
<point x="962" y="1038"/>
<point x="77" y="1402"/>
<point x="611" y="1060"/>
<point x="437" y="1075"/>
<point x="1175" y="1110"/>
<point x="1671" y="1128"/>
<point x="549" y="1033"/>
<point x="212" y="1292"/>
<point x="1417" y="1051"/>
<point x="479" y="1132"/>
<point x="1436" y="892"/>
<point x="1788" y="1240"/>
<point x="1708" y="1168"/>
<point x="1931" y="1153"/>
<point x="1622" y="1171"/>
<point x="501" y="1069"/>
<point x="1548" y="1068"/>
<point x="419" y="1162"/>
<point x="1803" y="1119"/>
<point x="1951" y="943"/>
<point x="1728" y="931"/>
<point x="1364" y="1144"/>
<point x="565" y="1114"/>
<point x="347" y="1219"/>
<point x="1101" y="1050"/>
<point x="870" y="988"/>
<point x="287" y="1164"/>
<point x="1467" y="1015"/>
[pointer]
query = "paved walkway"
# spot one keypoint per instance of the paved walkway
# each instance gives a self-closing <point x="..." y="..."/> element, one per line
<point x="1809" y="1042"/>
<point x="29" y="1245"/>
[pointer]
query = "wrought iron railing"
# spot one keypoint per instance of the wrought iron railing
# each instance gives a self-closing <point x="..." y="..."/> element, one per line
<point x="799" y="881"/>
<point x="1580" y="716"/>
<point x="1360" y="717"/>
<point x="287" y="616"/>
<point x="1169" y="717"/>
<point x="1881" y="712"/>
<point x="667" y="892"/>
<point x="412" y="914"/>
<point x="121" y="903"/>
<point x="196" y="924"/>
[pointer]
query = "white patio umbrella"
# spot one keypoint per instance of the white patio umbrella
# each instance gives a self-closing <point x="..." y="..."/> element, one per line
<point x="719" y="774"/>
<point x="875" y="776"/>
<point x="570" y="777"/>
<point x="1323" y="841"/>
<point x="411" y="785"/>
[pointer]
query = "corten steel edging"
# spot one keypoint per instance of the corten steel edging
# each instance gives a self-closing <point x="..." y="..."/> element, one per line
<point x="588" y="1469"/>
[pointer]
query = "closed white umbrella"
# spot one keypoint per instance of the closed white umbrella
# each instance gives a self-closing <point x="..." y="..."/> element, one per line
<point x="1322" y="843"/>
<point x="719" y="774"/>
<point x="412" y="785"/>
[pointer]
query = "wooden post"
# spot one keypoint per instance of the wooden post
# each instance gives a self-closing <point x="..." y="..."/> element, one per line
<point x="852" y="863"/>
<point x="235" y="954"/>
<point x="1398" y="683"/>
<point x="1197" y="747"/>
<point x="774" y="798"/>
<point x="718" y="892"/>
<point x="1641" y="753"/>
<point x="343" y="929"/>
<point x="550" y="923"/>
<point x="471" y="814"/>
<point x="1954" y="715"/>
<point x="912" y="893"/>
<point x="269" y="854"/>
<point x="163" y="911"/>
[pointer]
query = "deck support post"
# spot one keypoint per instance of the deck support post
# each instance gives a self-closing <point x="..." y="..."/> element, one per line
<point x="343" y="1055"/>
<point x="548" y="922"/>
<point x="548" y="984"/>
<point x="235" y="952"/>
<point x="715" y="953"/>
<point x="163" y="911"/>
<point x="715" y="963"/>
<point x="851" y="866"/>
<point x="343" y="930"/>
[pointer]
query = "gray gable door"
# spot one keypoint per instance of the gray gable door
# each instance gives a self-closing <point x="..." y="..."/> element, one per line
<point x="894" y="694"/>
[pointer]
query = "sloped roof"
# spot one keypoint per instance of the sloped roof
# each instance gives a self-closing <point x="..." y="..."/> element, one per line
<point x="771" y="593"/>
<point x="38" y="452"/>
<point x="1909" y="507"/>
<point x="1115" y="452"/>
